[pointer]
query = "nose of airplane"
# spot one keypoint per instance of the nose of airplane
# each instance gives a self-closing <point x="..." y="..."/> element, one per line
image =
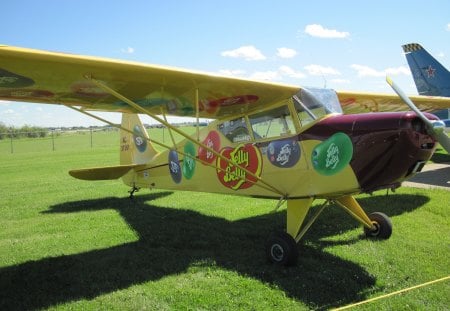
<point x="387" y="147"/>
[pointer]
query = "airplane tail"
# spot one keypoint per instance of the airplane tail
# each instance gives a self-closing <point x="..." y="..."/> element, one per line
<point x="430" y="77"/>
<point x="134" y="148"/>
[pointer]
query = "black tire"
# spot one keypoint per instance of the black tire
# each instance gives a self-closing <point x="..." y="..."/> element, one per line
<point x="281" y="249"/>
<point x="383" y="226"/>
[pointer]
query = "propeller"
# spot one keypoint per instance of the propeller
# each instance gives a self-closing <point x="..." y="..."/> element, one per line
<point x="435" y="128"/>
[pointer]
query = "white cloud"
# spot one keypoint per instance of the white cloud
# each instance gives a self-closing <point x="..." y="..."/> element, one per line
<point x="402" y="70"/>
<point x="265" y="75"/>
<point x="441" y="55"/>
<point x="366" y="71"/>
<point x="269" y="75"/>
<point x="5" y="103"/>
<point x="288" y="71"/>
<point x="448" y="27"/>
<point x="248" y="52"/>
<point x="318" y="70"/>
<point x="286" y="52"/>
<point x="128" y="50"/>
<point x="319" y="31"/>
<point x="231" y="72"/>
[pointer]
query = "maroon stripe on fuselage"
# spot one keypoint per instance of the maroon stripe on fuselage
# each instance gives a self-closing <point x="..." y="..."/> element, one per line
<point x="386" y="146"/>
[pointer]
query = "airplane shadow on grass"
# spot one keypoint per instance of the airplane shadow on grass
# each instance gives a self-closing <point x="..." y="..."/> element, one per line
<point x="171" y="240"/>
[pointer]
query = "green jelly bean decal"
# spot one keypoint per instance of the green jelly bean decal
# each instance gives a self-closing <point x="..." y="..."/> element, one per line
<point x="189" y="160"/>
<point x="332" y="155"/>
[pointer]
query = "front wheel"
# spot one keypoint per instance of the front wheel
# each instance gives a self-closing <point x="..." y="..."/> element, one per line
<point x="281" y="249"/>
<point x="382" y="226"/>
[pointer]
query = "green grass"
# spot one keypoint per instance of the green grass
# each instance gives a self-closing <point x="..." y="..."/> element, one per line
<point x="68" y="244"/>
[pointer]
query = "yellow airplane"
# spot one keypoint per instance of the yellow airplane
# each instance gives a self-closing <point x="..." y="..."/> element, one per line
<point x="267" y="140"/>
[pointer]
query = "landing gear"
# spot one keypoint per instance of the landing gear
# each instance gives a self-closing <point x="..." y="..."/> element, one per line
<point x="382" y="226"/>
<point x="132" y="191"/>
<point x="281" y="249"/>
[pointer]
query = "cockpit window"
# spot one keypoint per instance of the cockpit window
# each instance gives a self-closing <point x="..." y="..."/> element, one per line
<point x="273" y="123"/>
<point x="235" y="130"/>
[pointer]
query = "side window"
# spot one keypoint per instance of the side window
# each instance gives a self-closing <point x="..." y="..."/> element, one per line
<point x="273" y="123"/>
<point x="304" y="117"/>
<point x="235" y="130"/>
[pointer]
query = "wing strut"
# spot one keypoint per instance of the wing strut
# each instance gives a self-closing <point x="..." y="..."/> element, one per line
<point x="176" y="130"/>
<point x="170" y="131"/>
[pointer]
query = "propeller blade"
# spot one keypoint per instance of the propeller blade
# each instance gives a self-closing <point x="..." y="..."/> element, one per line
<point x="408" y="101"/>
<point x="435" y="127"/>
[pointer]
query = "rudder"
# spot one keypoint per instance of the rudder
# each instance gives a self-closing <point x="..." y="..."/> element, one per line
<point x="430" y="77"/>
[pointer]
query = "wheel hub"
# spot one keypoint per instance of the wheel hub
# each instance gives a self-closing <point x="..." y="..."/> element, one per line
<point x="375" y="230"/>
<point x="277" y="252"/>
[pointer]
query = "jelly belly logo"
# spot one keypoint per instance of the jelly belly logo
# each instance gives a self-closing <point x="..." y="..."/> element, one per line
<point x="211" y="141"/>
<point x="139" y="140"/>
<point x="174" y="167"/>
<point x="189" y="160"/>
<point x="283" y="153"/>
<point x="247" y="157"/>
<point x="332" y="155"/>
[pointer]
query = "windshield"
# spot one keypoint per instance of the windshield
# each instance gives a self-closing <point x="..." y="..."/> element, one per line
<point x="312" y="104"/>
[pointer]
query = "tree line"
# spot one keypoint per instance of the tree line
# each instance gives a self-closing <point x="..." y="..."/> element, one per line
<point x="24" y="131"/>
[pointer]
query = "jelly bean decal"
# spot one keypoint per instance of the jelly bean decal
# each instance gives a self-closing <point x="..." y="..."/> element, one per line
<point x="211" y="106"/>
<point x="12" y="80"/>
<point x="174" y="166"/>
<point x="139" y="140"/>
<point x="332" y="155"/>
<point x="283" y="153"/>
<point x="176" y="105"/>
<point x="88" y="89"/>
<point x="211" y="141"/>
<point x="189" y="160"/>
<point x="246" y="156"/>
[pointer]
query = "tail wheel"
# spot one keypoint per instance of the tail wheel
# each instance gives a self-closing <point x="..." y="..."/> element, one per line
<point x="281" y="249"/>
<point x="382" y="226"/>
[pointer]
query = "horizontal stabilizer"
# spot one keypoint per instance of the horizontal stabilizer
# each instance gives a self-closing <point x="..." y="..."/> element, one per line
<point x="102" y="173"/>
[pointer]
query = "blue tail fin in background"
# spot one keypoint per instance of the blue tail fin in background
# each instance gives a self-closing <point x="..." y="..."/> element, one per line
<point x="430" y="77"/>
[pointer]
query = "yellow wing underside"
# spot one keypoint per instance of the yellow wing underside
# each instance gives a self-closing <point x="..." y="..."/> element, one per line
<point x="28" y="75"/>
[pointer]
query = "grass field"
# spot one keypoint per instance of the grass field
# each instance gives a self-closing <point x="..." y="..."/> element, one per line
<point x="67" y="244"/>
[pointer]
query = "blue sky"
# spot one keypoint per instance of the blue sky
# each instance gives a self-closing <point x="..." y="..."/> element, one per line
<point x="345" y="45"/>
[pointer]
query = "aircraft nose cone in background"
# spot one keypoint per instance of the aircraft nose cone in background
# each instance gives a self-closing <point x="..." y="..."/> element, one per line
<point x="387" y="147"/>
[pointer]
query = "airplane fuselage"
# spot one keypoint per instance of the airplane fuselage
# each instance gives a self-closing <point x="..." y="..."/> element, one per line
<point x="335" y="155"/>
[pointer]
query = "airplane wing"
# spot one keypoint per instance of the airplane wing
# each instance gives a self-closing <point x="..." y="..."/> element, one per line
<point x="360" y="102"/>
<point x="58" y="78"/>
<point x="28" y="75"/>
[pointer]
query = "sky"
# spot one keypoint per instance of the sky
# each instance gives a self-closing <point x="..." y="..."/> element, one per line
<point x="344" y="45"/>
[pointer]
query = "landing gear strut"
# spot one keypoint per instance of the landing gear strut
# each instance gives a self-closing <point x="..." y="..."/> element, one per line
<point x="132" y="191"/>
<point x="281" y="247"/>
